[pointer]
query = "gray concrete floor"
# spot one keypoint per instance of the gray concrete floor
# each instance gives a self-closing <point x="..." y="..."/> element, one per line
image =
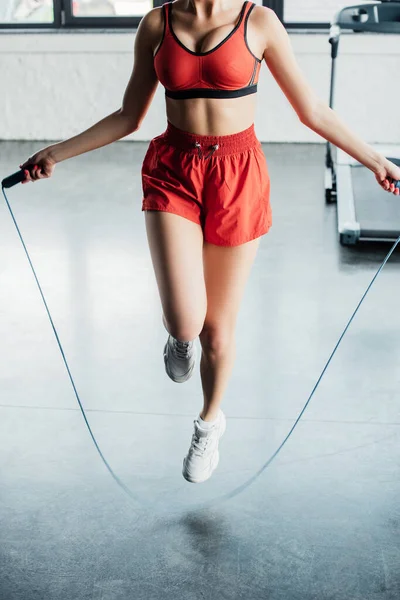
<point x="322" y="522"/>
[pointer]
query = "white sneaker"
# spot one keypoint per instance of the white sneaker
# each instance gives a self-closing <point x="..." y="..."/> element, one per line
<point x="203" y="456"/>
<point x="179" y="358"/>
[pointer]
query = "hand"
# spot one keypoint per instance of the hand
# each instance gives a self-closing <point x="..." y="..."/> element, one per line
<point x="387" y="175"/>
<point x="38" y="166"/>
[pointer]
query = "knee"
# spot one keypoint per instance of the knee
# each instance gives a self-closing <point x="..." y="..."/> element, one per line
<point x="183" y="331"/>
<point x="216" y="339"/>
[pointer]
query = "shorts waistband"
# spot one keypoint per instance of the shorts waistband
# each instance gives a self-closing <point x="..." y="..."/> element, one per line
<point x="219" y="145"/>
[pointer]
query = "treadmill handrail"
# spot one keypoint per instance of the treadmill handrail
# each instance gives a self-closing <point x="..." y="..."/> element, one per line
<point x="367" y="18"/>
<point x="334" y="32"/>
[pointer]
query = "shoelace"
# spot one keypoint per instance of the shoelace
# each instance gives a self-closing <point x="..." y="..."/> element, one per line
<point x="181" y="349"/>
<point x="199" y="443"/>
<point x="213" y="149"/>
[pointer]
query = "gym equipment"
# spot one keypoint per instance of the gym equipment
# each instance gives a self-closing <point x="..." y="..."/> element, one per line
<point x="364" y="212"/>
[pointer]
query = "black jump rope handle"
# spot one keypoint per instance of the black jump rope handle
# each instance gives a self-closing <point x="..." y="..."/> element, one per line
<point x="13" y="179"/>
<point x="19" y="176"/>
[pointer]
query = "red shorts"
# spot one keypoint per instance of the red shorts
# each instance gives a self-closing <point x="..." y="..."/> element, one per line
<point x="220" y="182"/>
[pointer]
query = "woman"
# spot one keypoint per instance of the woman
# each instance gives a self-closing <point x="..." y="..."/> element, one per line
<point x="205" y="179"/>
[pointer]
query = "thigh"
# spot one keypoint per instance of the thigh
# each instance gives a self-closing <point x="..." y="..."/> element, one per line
<point x="226" y="271"/>
<point x="176" y="246"/>
<point x="237" y="202"/>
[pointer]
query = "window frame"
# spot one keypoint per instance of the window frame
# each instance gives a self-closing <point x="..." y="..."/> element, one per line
<point x="64" y="19"/>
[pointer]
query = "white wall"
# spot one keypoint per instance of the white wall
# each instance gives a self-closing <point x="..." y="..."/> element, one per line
<point x="54" y="85"/>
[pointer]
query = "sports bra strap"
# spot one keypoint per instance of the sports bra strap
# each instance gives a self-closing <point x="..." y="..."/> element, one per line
<point x="166" y="13"/>
<point x="249" y="7"/>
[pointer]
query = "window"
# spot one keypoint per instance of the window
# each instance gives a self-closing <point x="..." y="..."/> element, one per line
<point x="309" y="11"/>
<point x="127" y="13"/>
<point x="26" y="11"/>
<point x="111" y="8"/>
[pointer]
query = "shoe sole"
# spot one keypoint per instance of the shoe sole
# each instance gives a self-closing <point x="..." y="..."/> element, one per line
<point x="214" y="464"/>
<point x="187" y="375"/>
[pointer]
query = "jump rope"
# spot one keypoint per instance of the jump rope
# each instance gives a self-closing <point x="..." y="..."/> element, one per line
<point x="18" y="177"/>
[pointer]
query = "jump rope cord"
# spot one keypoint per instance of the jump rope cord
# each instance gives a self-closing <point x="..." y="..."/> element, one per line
<point x="251" y="480"/>
<point x="115" y="477"/>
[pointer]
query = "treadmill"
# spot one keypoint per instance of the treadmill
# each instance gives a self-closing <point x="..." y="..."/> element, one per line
<point x="364" y="211"/>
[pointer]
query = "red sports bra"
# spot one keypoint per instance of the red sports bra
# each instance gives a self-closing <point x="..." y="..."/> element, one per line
<point x="229" y="70"/>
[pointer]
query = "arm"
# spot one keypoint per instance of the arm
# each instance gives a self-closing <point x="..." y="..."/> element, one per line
<point x="127" y="119"/>
<point x="136" y="101"/>
<point x="311" y="110"/>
